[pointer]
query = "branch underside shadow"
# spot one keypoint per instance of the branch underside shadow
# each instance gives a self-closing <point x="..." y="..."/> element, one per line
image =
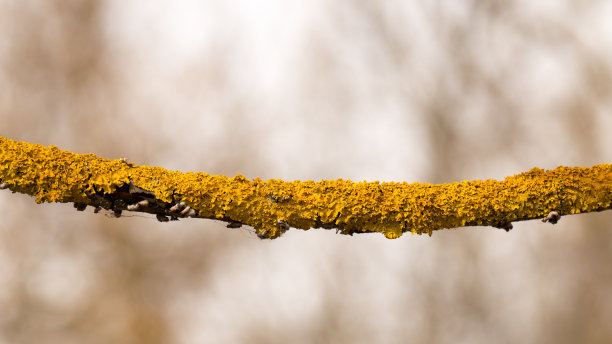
<point x="274" y="206"/>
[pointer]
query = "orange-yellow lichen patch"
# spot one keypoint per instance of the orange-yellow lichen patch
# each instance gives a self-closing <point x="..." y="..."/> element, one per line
<point x="54" y="175"/>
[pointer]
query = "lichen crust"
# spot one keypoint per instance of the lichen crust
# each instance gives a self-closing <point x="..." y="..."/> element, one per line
<point x="391" y="208"/>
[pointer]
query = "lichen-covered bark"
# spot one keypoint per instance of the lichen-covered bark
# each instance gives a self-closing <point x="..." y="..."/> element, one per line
<point x="273" y="206"/>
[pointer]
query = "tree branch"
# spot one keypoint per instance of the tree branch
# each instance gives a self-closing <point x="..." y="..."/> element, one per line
<point x="273" y="206"/>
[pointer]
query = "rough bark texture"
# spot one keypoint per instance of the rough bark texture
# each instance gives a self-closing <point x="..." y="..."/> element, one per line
<point x="274" y="206"/>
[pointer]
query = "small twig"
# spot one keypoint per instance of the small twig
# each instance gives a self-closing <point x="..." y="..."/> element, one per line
<point x="507" y="226"/>
<point x="274" y="206"/>
<point x="80" y="206"/>
<point x="552" y="217"/>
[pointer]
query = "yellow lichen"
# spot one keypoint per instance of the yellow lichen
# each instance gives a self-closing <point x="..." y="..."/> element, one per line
<point x="54" y="175"/>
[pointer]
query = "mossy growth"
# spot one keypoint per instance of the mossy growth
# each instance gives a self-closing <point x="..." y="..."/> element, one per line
<point x="273" y="206"/>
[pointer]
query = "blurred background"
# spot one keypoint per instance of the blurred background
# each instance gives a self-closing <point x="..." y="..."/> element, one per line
<point x="430" y="91"/>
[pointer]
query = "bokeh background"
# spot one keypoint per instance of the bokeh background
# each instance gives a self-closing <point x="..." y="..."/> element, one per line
<point x="431" y="91"/>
